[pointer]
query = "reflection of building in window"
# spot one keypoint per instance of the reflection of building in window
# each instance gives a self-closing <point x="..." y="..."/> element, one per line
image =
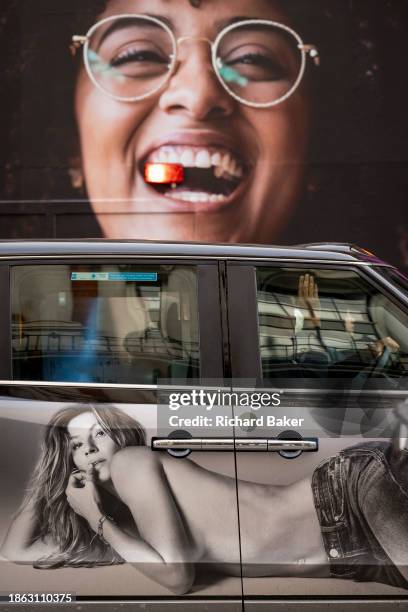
<point x="99" y="330"/>
<point x="355" y="330"/>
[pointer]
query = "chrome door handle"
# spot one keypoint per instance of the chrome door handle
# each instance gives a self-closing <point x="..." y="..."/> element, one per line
<point x="304" y="445"/>
<point x="206" y="444"/>
<point x="239" y="444"/>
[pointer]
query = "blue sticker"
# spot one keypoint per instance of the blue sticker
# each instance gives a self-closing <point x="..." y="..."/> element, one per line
<point x="149" y="277"/>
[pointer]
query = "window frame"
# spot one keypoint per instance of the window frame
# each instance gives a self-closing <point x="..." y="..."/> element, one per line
<point x="5" y="325"/>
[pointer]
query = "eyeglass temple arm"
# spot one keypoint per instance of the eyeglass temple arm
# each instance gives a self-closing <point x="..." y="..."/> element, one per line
<point x="77" y="42"/>
<point x="312" y="51"/>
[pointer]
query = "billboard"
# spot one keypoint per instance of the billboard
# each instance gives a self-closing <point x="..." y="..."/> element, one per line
<point x="288" y="118"/>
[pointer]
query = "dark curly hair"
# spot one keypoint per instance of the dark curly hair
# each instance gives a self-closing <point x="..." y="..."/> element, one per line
<point x="357" y="157"/>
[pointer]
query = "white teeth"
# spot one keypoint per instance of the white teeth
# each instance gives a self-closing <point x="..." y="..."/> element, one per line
<point x="203" y="159"/>
<point x="216" y="159"/>
<point x="195" y="196"/>
<point x="218" y="171"/>
<point x="173" y="158"/>
<point x="191" y="157"/>
<point x="226" y="160"/>
<point x="187" y="158"/>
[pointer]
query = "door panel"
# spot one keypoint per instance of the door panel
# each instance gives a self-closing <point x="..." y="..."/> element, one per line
<point x="157" y="340"/>
<point x="22" y="429"/>
<point x="331" y="354"/>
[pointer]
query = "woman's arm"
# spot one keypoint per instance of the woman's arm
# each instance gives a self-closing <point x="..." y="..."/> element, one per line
<point x="177" y="576"/>
<point x="161" y="551"/>
<point x="18" y="545"/>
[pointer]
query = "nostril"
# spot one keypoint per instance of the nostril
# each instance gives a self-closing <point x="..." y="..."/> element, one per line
<point x="203" y="100"/>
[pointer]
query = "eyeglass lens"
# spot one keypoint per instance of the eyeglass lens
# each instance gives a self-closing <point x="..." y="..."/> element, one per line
<point x="130" y="58"/>
<point x="258" y="63"/>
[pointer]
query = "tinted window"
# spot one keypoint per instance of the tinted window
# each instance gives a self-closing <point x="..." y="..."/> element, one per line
<point x="395" y="277"/>
<point x="112" y="324"/>
<point x="329" y="324"/>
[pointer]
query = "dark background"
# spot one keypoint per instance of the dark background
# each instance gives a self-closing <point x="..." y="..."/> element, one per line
<point x="358" y="181"/>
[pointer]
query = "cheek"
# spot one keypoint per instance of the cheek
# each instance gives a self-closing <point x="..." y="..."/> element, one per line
<point x="77" y="459"/>
<point x="110" y="448"/>
<point x="283" y="132"/>
<point x="103" y="121"/>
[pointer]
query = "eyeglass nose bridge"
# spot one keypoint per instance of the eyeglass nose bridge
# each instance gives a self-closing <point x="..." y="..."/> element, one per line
<point x="183" y="39"/>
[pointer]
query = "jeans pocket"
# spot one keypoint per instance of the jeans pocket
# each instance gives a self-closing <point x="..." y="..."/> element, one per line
<point x="336" y="488"/>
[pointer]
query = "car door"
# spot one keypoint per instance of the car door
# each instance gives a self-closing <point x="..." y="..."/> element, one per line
<point x="112" y="338"/>
<point x="332" y="345"/>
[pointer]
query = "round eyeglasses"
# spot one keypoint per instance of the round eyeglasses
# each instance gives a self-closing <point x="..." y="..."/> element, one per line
<point x="260" y="63"/>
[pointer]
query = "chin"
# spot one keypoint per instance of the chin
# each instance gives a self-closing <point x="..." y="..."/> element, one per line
<point x="104" y="474"/>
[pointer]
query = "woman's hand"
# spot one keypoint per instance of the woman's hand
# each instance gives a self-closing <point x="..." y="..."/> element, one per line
<point x="308" y="298"/>
<point x="378" y="347"/>
<point x="83" y="497"/>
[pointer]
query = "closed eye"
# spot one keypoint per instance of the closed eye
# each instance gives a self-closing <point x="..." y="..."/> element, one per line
<point x="268" y="69"/>
<point x="138" y="56"/>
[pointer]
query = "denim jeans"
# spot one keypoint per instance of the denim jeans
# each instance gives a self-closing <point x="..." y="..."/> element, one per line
<point x="361" y="500"/>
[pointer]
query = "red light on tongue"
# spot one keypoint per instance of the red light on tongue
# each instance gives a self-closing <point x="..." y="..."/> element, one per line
<point x="162" y="174"/>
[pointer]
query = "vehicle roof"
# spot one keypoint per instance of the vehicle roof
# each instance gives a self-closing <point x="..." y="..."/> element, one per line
<point x="337" y="252"/>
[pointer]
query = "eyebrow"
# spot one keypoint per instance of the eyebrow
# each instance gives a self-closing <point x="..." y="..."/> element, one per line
<point x="219" y="25"/>
<point x="117" y="24"/>
<point x="223" y="23"/>
<point x="93" y="426"/>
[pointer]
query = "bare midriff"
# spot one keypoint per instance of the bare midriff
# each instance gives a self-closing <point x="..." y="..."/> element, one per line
<point x="280" y="533"/>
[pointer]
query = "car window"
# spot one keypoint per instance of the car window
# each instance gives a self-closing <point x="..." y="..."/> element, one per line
<point x="395" y="277"/>
<point x="328" y="324"/>
<point x="108" y="323"/>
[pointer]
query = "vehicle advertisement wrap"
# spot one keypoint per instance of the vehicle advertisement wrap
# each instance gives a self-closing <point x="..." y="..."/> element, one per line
<point x="258" y="121"/>
<point x="90" y="510"/>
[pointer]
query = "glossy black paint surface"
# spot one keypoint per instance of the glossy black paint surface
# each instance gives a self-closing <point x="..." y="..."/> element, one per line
<point x="56" y="248"/>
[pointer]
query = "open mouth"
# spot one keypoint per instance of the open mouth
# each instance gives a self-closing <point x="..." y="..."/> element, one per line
<point x="212" y="174"/>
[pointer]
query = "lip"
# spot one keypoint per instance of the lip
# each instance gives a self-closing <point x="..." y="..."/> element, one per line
<point x="196" y="138"/>
<point x="95" y="463"/>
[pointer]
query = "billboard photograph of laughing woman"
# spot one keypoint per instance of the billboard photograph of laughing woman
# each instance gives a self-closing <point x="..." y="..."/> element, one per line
<point x="284" y="115"/>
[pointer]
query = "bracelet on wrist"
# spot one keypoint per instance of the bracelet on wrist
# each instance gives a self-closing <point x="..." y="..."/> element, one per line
<point x="103" y="518"/>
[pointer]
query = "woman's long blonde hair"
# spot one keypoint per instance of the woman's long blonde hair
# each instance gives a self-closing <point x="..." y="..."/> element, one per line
<point x="78" y="545"/>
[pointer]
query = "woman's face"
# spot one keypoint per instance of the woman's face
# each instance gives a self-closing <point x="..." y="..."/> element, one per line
<point x="192" y="113"/>
<point x="92" y="449"/>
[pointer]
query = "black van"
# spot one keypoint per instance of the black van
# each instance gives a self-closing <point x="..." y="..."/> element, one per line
<point x="195" y="426"/>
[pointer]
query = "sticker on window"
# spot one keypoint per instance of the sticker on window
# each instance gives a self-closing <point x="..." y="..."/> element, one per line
<point x="149" y="277"/>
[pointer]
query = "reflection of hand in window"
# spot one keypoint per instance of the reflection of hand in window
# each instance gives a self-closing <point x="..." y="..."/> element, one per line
<point x="378" y="347"/>
<point x="349" y="323"/>
<point x="308" y="299"/>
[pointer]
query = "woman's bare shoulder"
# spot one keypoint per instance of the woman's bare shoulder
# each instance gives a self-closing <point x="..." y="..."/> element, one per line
<point x="132" y="462"/>
<point x="135" y="468"/>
